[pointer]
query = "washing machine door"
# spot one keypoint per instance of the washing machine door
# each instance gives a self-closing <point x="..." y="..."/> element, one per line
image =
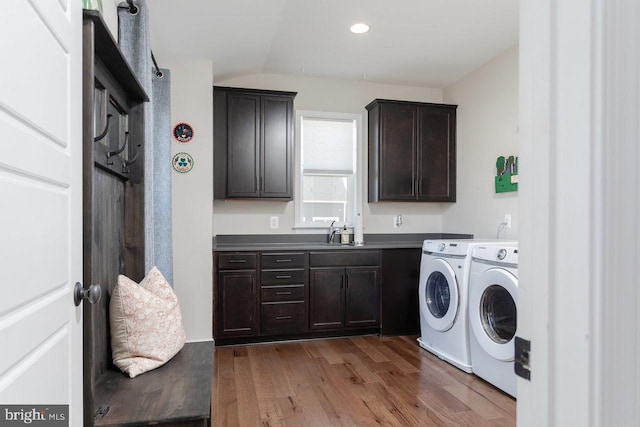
<point x="439" y="295"/>
<point x="493" y="314"/>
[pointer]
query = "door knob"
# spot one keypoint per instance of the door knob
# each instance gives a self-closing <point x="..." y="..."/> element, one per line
<point x="92" y="294"/>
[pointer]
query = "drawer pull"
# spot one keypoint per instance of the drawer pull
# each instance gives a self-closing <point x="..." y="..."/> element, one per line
<point x="284" y="277"/>
<point x="237" y="261"/>
<point x="283" y="317"/>
<point x="283" y="293"/>
<point x="283" y="260"/>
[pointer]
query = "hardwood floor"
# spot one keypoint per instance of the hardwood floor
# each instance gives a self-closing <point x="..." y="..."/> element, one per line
<point x="356" y="381"/>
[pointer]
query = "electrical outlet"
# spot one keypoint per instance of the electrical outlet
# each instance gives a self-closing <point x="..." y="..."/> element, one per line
<point x="273" y="222"/>
<point x="507" y="221"/>
<point x="397" y="221"/>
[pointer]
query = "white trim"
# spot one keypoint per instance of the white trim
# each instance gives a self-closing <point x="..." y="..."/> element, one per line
<point x="201" y="340"/>
<point x="534" y="260"/>
<point x="357" y="184"/>
<point x="580" y="212"/>
<point x="615" y="298"/>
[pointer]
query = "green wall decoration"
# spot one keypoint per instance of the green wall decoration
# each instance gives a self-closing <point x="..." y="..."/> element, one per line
<point x="506" y="174"/>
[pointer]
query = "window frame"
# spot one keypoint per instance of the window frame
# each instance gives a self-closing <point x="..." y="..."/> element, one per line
<point x="356" y="199"/>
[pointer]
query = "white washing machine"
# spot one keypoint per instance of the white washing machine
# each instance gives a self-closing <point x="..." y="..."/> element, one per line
<point x="444" y="274"/>
<point x="493" y="314"/>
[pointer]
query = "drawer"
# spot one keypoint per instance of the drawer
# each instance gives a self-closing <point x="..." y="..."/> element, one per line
<point x="237" y="261"/>
<point x="283" y="260"/>
<point x="282" y="318"/>
<point x="276" y="277"/>
<point x="345" y="258"/>
<point x="282" y="293"/>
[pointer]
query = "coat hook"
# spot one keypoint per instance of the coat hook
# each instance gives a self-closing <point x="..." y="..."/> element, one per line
<point x="106" y="129"/>
<point x="119" y="150"/>
<point x="128" y="163"/>
<point x="133" y="9"/>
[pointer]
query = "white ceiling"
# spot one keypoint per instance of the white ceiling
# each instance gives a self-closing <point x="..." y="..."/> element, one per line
<point x="412" y="42"/>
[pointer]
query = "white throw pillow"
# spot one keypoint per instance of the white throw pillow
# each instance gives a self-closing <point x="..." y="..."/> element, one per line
<point x="146" y="323"/>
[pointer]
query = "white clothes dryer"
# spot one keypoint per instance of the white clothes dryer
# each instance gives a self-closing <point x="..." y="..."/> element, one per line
<point x="444" y="275"/>
<point x="493" y="314"/>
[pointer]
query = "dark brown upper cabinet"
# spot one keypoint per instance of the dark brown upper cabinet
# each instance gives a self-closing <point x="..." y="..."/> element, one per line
<point x="412" y="151"/>
<point x="253" y="144"/>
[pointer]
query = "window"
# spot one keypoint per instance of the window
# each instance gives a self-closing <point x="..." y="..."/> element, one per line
<point x="327" y="172"/>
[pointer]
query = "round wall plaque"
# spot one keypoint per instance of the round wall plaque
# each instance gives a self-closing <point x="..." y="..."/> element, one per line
<point x="183" y="132"/>
<point x="182" y="162"/>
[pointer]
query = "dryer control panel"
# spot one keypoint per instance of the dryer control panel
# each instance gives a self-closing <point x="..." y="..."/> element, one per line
<point x="497" y="254"/>
<point x="445" y="247"/>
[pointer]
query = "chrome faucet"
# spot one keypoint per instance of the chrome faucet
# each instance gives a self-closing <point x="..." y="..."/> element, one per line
<point x="332" y="232"/>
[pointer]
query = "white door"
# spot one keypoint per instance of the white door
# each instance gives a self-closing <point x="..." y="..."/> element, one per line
<point x="40" y="204"/>
<point x="580" y="210"/>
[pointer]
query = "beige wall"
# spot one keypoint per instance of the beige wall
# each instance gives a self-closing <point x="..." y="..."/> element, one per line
<point x="487" y="123"/>
<point x="487" y="128"/>
<point x="110" y="15"/>
<point x="191" y="92"/>
<point x="345" y="96"/>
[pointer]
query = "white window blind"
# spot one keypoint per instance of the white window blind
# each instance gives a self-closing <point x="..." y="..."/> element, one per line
<point x="326" y="172"/>
<point x="328" y="145"/>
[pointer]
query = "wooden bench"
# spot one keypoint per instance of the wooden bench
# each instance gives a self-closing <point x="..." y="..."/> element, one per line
<point x="176" y="394"/>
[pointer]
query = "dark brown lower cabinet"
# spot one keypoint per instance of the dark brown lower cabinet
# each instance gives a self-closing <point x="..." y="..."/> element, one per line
<point x="344" y="298"/>
<point x="399" y="304"/>
<point x="237" y="303"/>
<point x="262" y="296"/>
<point x="283" y="293"/>
<point x="362" y="297"/>
<point x="327" y="298"/>
<point x="283" y="317"/>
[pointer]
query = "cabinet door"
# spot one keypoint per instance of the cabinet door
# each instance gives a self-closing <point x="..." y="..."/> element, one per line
<point x="277" y="147"/>
<point x="397" y="156"/>
<point x="237" y="304"/>
<point x="436" y="154"/>
<point x="243" y="145"/>
<point x="400" y="277"/>
<point x="326" y="299"/>
<point x="362" y="297"/>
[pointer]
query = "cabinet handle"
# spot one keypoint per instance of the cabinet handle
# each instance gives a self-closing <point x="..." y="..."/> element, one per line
<point x="237" y="261"/>
<point x="283" y="317"/>
<point x="283" y="260"/>
<point x="283" y="293"/>
<point x="283" y="277"/>
<point x="342" y="282"/>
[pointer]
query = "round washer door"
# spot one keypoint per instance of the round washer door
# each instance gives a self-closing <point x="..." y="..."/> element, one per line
<point x="439" y="295"/>
<point x="493" y="314"/>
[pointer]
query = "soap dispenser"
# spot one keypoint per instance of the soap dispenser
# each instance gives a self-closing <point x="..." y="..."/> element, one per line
<point x="344" y="237"/>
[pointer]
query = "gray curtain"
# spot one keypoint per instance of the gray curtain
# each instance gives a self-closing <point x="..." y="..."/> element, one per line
<point x="163" y="247"/>
<point x="134" y="40"/>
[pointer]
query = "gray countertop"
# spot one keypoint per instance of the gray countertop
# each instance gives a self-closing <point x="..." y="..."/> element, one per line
<point x="313" y="242"/>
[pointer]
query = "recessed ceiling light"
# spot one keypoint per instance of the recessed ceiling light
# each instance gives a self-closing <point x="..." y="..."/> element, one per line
<point x="359" y="28"/>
